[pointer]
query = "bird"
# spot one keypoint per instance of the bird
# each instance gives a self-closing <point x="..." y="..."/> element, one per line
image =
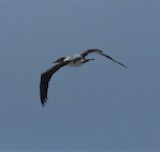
<point x="72" y="61"/>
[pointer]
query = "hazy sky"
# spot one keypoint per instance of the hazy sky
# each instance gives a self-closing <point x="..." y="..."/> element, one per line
<point x="100" y="106"/>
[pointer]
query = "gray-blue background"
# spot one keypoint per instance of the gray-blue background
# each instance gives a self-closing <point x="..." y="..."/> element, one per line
<point x="100" y="106"/>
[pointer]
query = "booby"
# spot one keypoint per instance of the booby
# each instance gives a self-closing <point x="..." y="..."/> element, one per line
<point x="74" y="61"/>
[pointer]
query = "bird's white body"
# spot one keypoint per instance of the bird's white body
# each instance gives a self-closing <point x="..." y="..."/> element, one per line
<point x="74" y="63"/>
<point x="73" y="57"/>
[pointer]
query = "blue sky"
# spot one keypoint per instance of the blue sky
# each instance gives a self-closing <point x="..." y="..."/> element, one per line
<point x="100" y="106"/>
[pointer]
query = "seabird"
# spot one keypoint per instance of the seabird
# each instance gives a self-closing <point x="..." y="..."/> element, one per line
<point x="74" y="61"/>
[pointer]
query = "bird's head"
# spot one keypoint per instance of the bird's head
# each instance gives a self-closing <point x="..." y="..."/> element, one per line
<point x="59" y="60"/>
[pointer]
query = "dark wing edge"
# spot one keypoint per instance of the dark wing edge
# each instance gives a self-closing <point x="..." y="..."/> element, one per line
<point x="85" y="53"/>
<point x="45" y="78"/>
<point x="105" y="55"/>
<point x="100" y="52"/>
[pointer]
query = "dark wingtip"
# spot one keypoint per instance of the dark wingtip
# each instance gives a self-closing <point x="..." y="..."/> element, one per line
<point x="43" y="102"/>
<point x="123" y="65"/>
<point x="126" y="66"/>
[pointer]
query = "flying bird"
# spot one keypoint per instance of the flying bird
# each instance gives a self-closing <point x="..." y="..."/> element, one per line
<point x="74" y="61"/>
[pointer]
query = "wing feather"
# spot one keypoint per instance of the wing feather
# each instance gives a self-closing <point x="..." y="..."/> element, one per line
<point x="45" y="78"/>
<point x="87" y="52"/>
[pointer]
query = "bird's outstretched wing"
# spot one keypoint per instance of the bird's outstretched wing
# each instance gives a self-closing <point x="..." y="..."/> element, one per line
<point x="45" y="78"/>
<point x="85" y="53"/>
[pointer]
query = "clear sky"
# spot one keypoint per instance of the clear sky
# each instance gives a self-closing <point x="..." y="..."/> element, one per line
<point x="100" y="106"/>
